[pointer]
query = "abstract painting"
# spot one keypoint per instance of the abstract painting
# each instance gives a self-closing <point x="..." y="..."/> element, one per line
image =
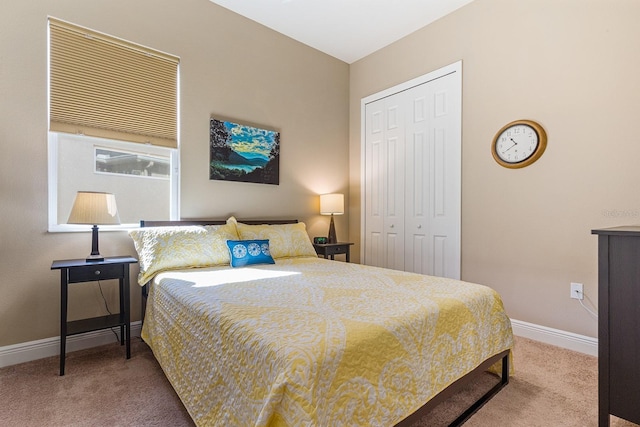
<point x="243" y="153"/>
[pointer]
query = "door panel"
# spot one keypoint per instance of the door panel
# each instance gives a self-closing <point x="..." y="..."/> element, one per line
<point x="374" y="190"/>
<point x="393" y="222"/>
<point x="438" y="259"/>
<point x="417" y="179"/>
<point x="446" y="176"/>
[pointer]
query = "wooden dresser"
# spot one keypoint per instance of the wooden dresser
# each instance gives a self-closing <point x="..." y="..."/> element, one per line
<point x="618" y="323"/>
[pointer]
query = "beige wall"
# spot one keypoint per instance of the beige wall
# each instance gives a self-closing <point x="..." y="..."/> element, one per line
<point x="572" y="65"/>
<point x="231" y="68"/>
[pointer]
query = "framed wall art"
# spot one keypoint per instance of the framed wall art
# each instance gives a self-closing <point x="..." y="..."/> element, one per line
<point x="243" y="153"/>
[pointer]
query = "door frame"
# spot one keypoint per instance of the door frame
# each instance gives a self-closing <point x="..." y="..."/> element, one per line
<point x="455" y="68"/>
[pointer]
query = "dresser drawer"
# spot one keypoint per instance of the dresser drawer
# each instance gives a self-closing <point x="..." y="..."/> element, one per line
<point x="96" y="272"/>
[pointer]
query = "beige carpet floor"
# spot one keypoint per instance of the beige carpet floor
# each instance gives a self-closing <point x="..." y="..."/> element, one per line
<point x="551" y="387"/>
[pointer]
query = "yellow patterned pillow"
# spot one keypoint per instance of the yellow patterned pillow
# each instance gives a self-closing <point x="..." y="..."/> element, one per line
<point x="285" y="240"/>
<point x="166" y="248"/>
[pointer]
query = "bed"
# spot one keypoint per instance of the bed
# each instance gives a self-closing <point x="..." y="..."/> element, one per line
<point x="303" y="341"/>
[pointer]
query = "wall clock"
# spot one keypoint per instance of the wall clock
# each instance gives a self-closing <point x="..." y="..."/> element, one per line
<point x="519" y="144"/>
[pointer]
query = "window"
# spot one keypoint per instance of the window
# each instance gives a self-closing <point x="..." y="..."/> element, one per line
<point x="113" y="125"/>
<point x="82" y="163"/>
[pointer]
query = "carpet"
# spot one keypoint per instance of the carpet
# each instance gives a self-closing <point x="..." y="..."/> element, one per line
<point x="551" y="387"/>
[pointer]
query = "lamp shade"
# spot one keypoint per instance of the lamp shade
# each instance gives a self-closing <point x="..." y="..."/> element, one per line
<point x="332" y="204"/>
<point x="94" y="209"/>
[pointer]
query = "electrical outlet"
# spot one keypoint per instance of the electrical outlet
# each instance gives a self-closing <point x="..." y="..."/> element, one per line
<point x="577" y="290"/>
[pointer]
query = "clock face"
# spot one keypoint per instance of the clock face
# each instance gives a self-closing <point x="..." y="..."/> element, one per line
<point x="519" y="144"/>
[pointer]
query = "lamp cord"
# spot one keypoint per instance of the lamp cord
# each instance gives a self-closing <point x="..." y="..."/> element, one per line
<point x="106" y="306"/>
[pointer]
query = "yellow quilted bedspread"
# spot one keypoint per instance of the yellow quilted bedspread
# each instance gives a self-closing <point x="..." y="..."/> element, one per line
<point x="311" y="342"/>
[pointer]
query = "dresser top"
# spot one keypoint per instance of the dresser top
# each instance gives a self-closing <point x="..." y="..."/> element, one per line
<point x="629" y="230"/>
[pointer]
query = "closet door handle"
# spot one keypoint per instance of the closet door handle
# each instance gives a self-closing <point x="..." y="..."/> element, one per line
<point x="419" y="226"/>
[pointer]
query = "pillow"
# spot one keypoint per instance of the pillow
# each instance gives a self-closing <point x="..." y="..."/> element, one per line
<point x="233" y="222"/>
<point x="220" y="234"/>
<point x="249" y="252"/>
<point x="285" y="240"/>
<point x="165" y="248"/>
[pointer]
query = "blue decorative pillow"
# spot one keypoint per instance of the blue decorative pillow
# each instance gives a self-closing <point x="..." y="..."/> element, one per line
<point x="249" y="252"/>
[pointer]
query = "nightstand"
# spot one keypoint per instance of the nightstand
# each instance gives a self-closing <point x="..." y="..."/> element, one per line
<point x="333" y="249"/>
<point x="79" y="270"/>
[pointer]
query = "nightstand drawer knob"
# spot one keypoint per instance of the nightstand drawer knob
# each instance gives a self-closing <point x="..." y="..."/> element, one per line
<point x="97" y="272"/>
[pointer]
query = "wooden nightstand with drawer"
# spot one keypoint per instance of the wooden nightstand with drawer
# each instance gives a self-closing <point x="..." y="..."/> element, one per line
<point x="333" y="249"/>
<point x="80" y="270"/>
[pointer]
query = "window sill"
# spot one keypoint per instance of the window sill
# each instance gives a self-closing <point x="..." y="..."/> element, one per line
<point x="75" y="228"/>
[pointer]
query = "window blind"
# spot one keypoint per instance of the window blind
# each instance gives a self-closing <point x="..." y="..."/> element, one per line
<point x="106" y="87"/>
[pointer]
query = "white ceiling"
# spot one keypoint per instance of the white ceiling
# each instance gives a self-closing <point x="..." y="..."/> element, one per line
<point x="346" y="29"/>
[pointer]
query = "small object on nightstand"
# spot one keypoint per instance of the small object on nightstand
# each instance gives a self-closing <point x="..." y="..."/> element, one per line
<point x="333" y="249"/>
<point x="81" y="270"/>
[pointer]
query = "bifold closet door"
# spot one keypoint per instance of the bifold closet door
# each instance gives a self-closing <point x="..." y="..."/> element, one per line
<point x="412" y="161"/>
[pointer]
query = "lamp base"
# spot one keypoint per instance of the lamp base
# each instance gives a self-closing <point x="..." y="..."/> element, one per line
<point x="332" y="238"/>
<point x="95" y="253"/>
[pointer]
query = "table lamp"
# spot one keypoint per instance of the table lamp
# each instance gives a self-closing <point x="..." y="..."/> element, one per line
<point x="332" y="204"/>
<point x="95" y="209"/>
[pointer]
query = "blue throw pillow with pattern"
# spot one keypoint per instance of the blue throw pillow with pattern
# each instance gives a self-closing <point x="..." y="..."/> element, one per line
<point x="249" y="252"/>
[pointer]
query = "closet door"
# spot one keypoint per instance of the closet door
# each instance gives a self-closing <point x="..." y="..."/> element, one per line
<point x="384" y="174"/>
<point x="412" y="175"/>
<point x="432" y="180"/>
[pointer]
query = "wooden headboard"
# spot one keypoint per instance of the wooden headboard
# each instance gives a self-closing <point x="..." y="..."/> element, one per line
<point x="144" y="223"/>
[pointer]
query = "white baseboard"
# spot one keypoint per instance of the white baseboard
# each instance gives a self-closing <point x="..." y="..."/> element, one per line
<point x="33" y="350"/>
<point x="557" y="337"/>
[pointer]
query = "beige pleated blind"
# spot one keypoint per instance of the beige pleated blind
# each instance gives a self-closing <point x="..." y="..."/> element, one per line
<point x="106" y="87"/>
